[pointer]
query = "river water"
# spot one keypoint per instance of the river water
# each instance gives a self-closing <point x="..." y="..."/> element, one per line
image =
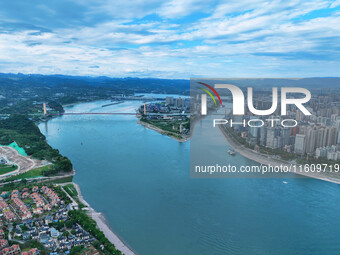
<point x="141" y="181"/>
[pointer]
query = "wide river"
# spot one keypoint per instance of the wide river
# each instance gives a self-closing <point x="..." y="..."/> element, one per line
<point x="140" y="180"/>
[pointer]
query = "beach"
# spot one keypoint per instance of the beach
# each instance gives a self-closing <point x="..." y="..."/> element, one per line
<point x="267" y="160"/>
<point x="103" y="226"/>
<point x="149" y="126"/>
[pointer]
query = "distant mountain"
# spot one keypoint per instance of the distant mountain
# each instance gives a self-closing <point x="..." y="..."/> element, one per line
<point x="178" y="86"/>
<point x="137" y="84"/>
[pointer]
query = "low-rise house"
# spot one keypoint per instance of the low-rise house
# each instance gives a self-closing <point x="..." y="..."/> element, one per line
<point x="17" y="231"/>
<point x="54" y="198"/>
<point x="54" y="233"/>
<point x="3" y="204"/>
<point x="25" y="190"/>
<point x="9" y="215"/>
<point x="49" y="244"/>
<point x="25" y="195"/>
<point x="48" y="219"/>
<point x="38" y="200"/>
<point x="43" y="230"/>
<point x="5" y="194"/>
<point x="38" y="210"/>
<point x="47" y="207"/>
<point x="35" y="235"/>
<point x="13" y="250"/>
<point x="24" y="211"/>
<point x="3" y="243"/>
<point x="15" y="191"/>
<point x="14" y="196"/>
<point x="44" y="238"/>
<point x="26" y="236"/>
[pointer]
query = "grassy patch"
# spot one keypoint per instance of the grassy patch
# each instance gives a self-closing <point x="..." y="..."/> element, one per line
<point x="4" y="169"/>
<point x="170" y="127"/>
<point x="61" y="180"/>
<point x="71" y="190"/>
<point x="37" y="172"/>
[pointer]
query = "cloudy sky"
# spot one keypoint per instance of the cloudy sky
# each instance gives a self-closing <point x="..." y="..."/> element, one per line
<point x="171" y="39"/>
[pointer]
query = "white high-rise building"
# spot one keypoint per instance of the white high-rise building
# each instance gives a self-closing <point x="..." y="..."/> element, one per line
<point x="300" y="144"/>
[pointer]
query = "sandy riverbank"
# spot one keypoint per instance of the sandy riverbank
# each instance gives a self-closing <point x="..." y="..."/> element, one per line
<point x="268" y="160"/>
<point x="103" y="226"/>
<point x="147" y="125"/>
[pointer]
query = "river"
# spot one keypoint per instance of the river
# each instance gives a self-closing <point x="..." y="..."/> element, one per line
<point x="141" y="181"/>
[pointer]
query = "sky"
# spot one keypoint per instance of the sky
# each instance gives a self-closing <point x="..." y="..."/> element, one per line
<point x="171" y="39"/>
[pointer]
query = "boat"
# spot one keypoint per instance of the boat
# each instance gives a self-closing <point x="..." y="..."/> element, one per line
<point x="232" y="153"/>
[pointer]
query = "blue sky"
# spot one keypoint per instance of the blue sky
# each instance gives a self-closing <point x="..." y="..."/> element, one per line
<point x="171" y="39"/>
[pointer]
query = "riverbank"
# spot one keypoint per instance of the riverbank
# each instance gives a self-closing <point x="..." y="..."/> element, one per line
<point x="267" y="160"/>
<point x="104" y="226"/>
<point x="152" y="127"/>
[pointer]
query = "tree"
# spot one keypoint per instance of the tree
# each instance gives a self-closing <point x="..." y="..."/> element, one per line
<point x="24" y="228"/>
<point x="76" y="249"/>
<point x="69" y="223"/>
<point x="66" y="233"/>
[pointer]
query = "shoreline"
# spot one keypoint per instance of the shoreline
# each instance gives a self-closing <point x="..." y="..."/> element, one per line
<point x="162" y="132"/>
<point x="267" y="160"/>
<point x="98" y="217"/>
<point x="103" y="225"/>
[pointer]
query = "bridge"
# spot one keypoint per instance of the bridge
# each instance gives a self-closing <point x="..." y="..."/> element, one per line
<point x="119" y="113"/>
<point x="96" y="113"/>
<point x="45" y="113"/>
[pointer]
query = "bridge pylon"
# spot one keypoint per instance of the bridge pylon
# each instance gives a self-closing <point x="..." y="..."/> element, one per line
<point x="45" y="110"/>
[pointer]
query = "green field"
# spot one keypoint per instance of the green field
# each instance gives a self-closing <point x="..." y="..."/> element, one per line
<point x="37" y="172"/>
<point x="61" y="180"/>
<point x="71" y="190"/>
<point x="4" y="169"/>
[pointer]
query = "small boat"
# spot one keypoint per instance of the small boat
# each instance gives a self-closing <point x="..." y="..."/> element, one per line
<point x="284" y="182"/>
<point x="232" y="153"/>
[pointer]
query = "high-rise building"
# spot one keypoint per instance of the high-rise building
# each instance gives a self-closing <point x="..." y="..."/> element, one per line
<point x="179" y="102"/>
<point x="254" y="131"/>
<point x="169" y="100"/>
<point x="330" y="136"/>
<point x="263" y="136"/>
<point x="271" y="142"/>
<point x="311" y="136"/>
<point x="300" y="144"/>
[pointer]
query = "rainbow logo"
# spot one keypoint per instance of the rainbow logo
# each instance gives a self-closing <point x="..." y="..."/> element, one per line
<point x="209" y="93"/>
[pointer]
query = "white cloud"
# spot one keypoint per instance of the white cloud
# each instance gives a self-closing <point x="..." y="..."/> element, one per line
<point x="180" y="8"/>
<point x="336" y="3"/>
<point x="240" y="38"/>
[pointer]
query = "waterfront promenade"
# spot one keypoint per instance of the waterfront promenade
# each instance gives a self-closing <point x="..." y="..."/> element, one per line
<point x="269" y="160"/>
